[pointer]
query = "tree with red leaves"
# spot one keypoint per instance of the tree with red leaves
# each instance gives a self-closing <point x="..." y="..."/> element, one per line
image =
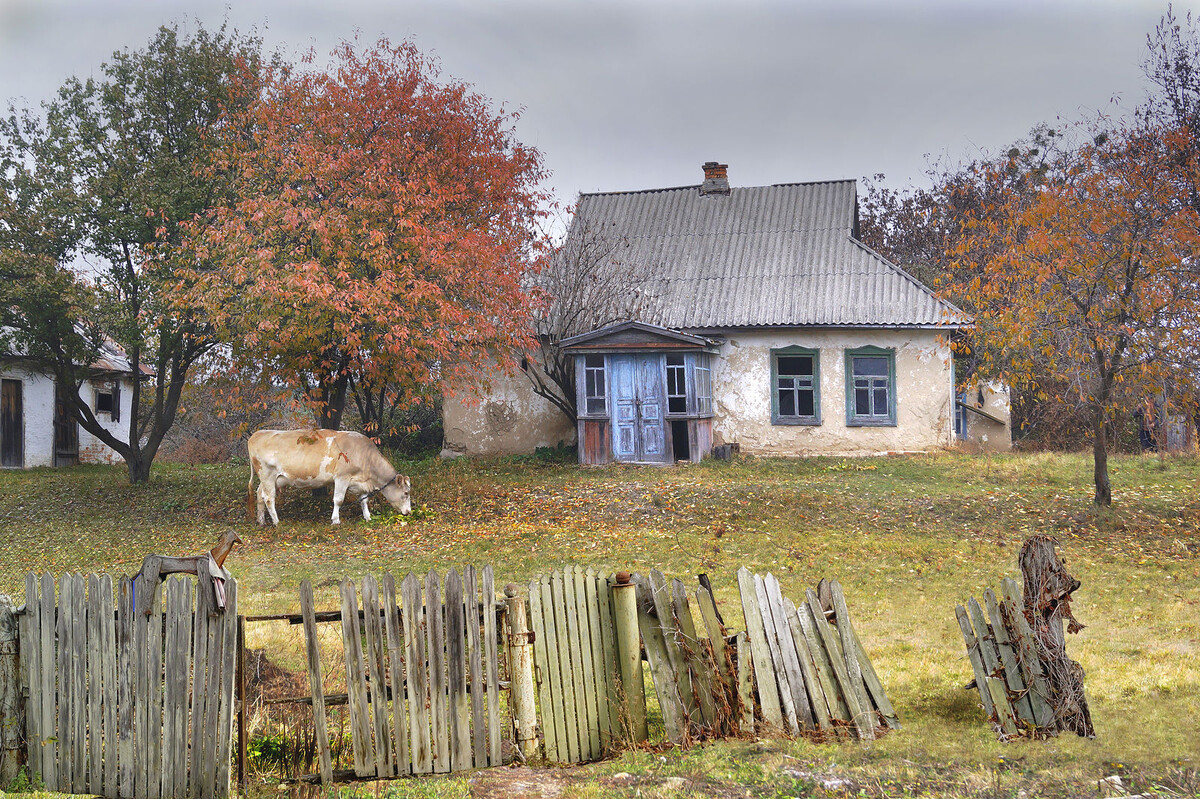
<point x="384" y="222"/>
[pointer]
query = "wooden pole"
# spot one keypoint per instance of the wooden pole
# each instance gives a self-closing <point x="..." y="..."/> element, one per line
<point x="629" y="654"/>
<point x="520" y="664"/>
<point x="11" y="722"/>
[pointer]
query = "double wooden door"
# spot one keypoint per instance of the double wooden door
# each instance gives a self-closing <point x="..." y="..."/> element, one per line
<point x="638" y="388"/>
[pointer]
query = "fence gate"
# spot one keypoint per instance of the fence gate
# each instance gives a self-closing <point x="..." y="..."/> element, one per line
<point x="128" y="703"/>
<point x="433" y="654"/>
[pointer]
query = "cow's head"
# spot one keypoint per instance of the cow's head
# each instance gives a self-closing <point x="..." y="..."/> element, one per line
<point x="396" y="492"/>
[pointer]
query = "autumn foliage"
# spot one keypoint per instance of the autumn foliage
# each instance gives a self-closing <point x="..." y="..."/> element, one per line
<point x="383" y="222"/>
<point x="1091" y="281"/>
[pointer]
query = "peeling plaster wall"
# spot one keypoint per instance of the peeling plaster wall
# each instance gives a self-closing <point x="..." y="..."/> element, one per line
<point x="511" y="420"/>
<point x="984" y="435"/>
<point x="92" y="449"/>
<point x="924" y="393"/>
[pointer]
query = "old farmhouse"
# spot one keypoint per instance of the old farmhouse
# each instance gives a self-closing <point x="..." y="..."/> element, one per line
<point x="768" y="325"/>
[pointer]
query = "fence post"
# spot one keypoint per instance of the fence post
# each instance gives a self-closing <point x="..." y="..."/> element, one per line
<point x="629" y="652"/>
<point x="520" y="664"/>
<point x="10" y="694"/>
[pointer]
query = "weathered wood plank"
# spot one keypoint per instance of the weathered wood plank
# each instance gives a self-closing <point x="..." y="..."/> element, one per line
<point x="31" y="662"/>
<point x="316" y="684"/>
<point x="577" y="655"/>
<point x="570" y="711"/>
<point x="377" y="706"/>
<point x="808" y="669"/>
<point x="548" y="702"/>
<point x="662" y="674"/>
<point x="832" y="649"/>
<point x="204" y="654"/>
<point x="1022" y="707"/>
<point x="698" y="656"/>
<point x="492" y="661"/>
<point x="599" y="673"/>
<point x="791" y="658"/>
<point x="456" y="664"/>
<point x="975" y="656"/>
<point x="745" y="683"/>
<point x="224" y="725"/>
<point x="1031" y="665"/>
<point x="760" y="654"/>
<point x="787" y="701"/>
<point x="584" y="665"/>
<point x="79" y="696"/>
<point x="49" y="676"/>
<point x="356" y="689"/>
<point x="717" y="638"/>
<point x="875" y="685"/>
<point x="108" y="680"/>
<point x="154" y="722"/>
<point x="126" y="701"/>
<point x="395" y="656"/>
<point x="94" y="782"/>
<point x="209" y="730"/>
<point x="610" y="668"/>
<point x="419" y="717"/>
<point x="987" y="651"/>
<point x="845" y="631"/>
<point x="477" y="693"/>
<point x="178" y="612"/>
<point x="1004" y="711"/>
<point x="838" y="710"/>
<point x="435" y="631"/>
<point x="65" y="725"/>
<point x="660" y="591"/>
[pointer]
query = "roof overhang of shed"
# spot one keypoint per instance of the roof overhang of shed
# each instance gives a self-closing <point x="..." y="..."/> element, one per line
<point x="634" y="336"/>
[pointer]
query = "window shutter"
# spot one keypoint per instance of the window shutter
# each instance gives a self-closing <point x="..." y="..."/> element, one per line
<point x="116" y="399"/>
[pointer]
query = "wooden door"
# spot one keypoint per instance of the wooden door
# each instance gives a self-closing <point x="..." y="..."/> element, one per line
<point x="12" y="424"/>
<point x="66" y="434"/>
<point x="638" y="430"/>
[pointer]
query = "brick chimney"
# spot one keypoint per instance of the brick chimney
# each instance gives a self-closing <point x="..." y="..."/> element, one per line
<point x="716" y="181"/>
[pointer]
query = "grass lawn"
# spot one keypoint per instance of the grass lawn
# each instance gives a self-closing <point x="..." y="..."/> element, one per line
<point x="907" y="537"/>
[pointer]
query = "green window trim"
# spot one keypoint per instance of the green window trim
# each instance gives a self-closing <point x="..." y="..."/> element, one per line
<point x="863" y="390"/>
<point x="796" y="388"/>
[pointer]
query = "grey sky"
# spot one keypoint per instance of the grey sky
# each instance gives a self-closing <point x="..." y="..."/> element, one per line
<point x="628" y="95"/>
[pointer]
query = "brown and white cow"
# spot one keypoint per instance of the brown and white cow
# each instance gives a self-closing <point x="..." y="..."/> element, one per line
<point x="317" y="458"/>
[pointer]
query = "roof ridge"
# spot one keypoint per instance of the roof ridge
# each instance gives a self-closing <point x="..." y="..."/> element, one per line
<point x="583" y="194"/>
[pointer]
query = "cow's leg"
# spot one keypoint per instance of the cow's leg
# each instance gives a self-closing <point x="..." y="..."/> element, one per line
<point x="268" y="490"/>
<point x="339" y="494"/>
<point x="363" y="501"/>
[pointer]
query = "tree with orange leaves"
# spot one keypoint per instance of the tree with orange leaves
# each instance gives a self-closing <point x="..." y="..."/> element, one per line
<point x="1095" y="279"/>
<point x="384" y="220"/>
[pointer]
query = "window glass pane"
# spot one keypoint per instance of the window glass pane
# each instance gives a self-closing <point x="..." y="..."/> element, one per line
<point x="795" y="365"/>
<point x="870" y="366"/>
<point x="805" y="401"/>
<point x="674" y="360"/>
<point x="787" y="403"/>
<point x="787" y="383"/>
<point x="676" y="404"/>
<point x="862" y="402"/>
<point x="881" y="401"/>
<point x="594" y="361"/>
<point x="104" y="402"/>
<point x="595" y="405"/>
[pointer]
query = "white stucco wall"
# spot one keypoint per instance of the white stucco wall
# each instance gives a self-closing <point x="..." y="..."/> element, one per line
<point x="924" y="393"/>
<point x="511" y="419"/>
<point x="38" y="407"/>
<point x="984" y="435"/>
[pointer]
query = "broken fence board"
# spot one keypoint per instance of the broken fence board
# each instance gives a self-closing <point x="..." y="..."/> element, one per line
<point x="661" y="672"/>
<point x="1027" y="653"/>
<point x="790" y="655"/>
<point x="812" y="683"/>
<point x="698" y="659"/>
<point x="395" y="659"/>
<point x="315" y="684"/>
<point x="491" y="660"/>
<point x="456" y="664"/>
<point x="847" y="637"/>
<point x="356" y="689"/>
<point x="417" y="693"/>
<point x="976" y="658"/>
<point x="436" y="651"/>
<point x="833" y="650"/>
<point x="1022" y="706"/>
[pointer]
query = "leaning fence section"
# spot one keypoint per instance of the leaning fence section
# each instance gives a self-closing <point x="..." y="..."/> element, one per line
<point x="125" y="702"/>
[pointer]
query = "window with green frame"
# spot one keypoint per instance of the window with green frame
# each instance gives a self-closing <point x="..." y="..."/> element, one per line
<point x="795" y="386"/>
<point x="870" y="387"/>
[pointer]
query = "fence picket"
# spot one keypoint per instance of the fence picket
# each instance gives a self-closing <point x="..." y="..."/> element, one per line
<point x="108" y="666"/>
<point x="66" y="687"/>
<point x="760" y="655"/>
<point x="838" y="709"/>
<point x="475" y="667"/>
<point x="661" y="670"/>
<point x="95" y="688"/>
<point x="436" y="633"/>
<point x="854" y="670"/>
<point x="812" y="683"/>
<point x="417" y="685"/>
<point x="714" y="634"/>
<point x="791" y="657"/>
<point x="495" y="756"/>
<point x="601" y="671"/>
<point x="589" y="731"/>
<point x="316" y="688"/>
<point x="456" y="681"/>
<point x="177" y="614"/>
<point x="612" y="665"/>
<point x="31" y="654"/>
<point x="745" y="684"/>
<point x="224" y="725"/>
<point x="697" y="658"/>
<point x="547" y="697"/>
<point x="356" y="689"/>
<point x="209" y="731"/>
<point x="395" y="656"/>
<point x="126" y="697"/>
<point x="1008" y="656"/>
<point x="832" y="650"/>
<point x="202" y="652"/>
<point x="1039" y="693"/>
<point x="778" y="671"/>
<point x="562" y="650"/>
<point x="374" y="673"/>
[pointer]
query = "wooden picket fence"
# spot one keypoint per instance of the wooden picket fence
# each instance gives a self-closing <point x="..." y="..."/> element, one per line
<point x="122" y="703"/>
<point x="1013" y="688"/>
<point x="423" y="694"/>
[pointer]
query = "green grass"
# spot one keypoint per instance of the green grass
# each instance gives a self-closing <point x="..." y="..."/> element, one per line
<point x="907" y="537"/>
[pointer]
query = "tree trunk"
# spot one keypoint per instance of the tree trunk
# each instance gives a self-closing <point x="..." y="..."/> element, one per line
<point x="1048" y="588"/>
<point x="139" y="466"/>
<point x="1100" y="457"/>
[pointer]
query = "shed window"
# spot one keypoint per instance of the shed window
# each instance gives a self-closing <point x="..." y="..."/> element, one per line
<point x="676" y="384"/>
<point x="704" y="404"/>
<point x="108" y="399"/>
<point x="594" y="390"/>
<point x="870" y="386"/>
<point x="795" y="381"/>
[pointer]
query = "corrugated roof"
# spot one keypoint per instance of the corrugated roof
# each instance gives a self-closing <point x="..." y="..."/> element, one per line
<point x="765" y="255"/>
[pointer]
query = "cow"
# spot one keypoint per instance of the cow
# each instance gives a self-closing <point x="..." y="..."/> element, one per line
<point x="317" y="458"/>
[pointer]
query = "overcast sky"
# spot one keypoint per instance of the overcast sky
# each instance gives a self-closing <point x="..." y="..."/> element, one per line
<point x="631" y="95"/>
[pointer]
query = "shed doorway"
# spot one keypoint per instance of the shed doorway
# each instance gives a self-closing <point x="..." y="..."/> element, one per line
<point x="12" y="424"/>
<point x="639" y="434"/>
<point x="66" y="434"/>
